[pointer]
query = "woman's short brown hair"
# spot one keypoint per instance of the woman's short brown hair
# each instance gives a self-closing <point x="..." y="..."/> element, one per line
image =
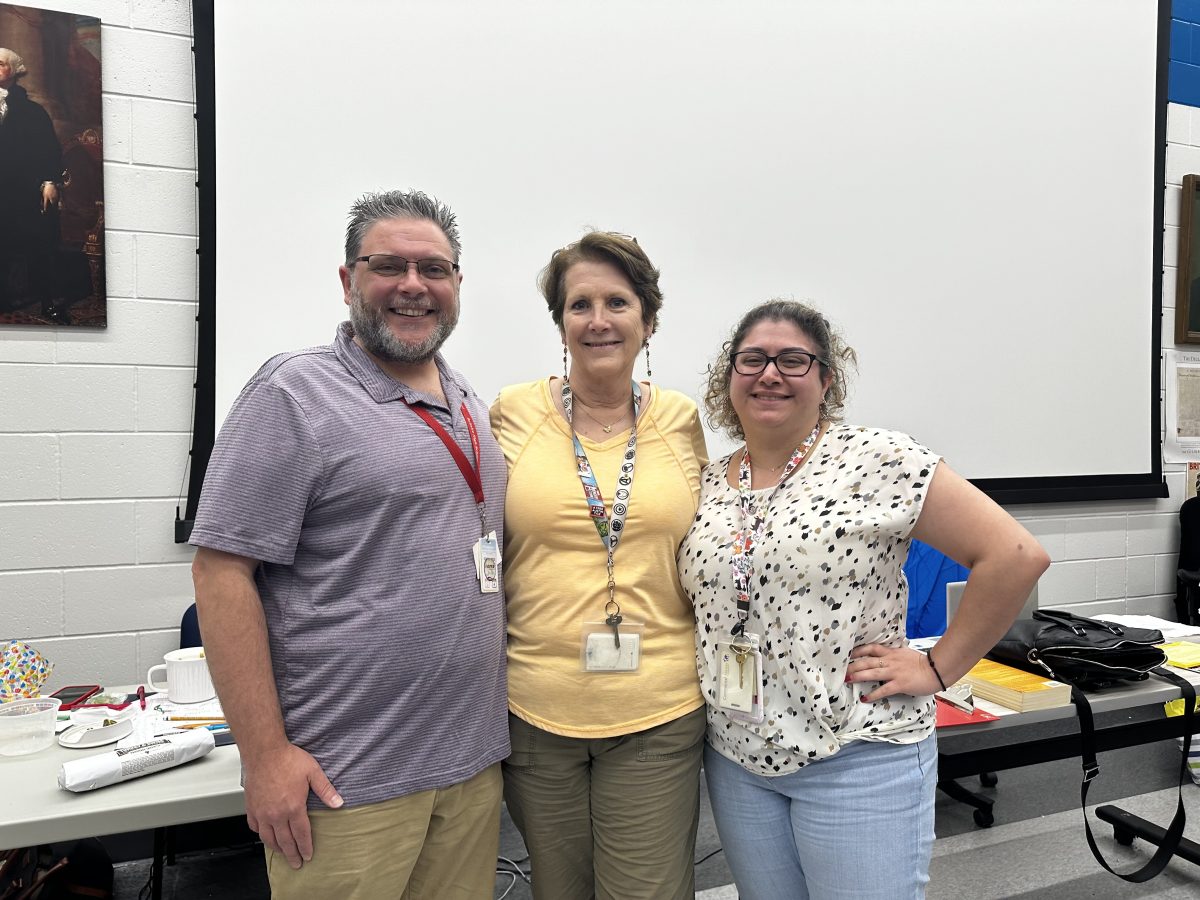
<point x="836" y="357"/>
<point x="618" y="250"/>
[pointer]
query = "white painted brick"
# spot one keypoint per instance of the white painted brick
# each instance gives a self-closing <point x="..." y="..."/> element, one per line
<point x="1094" y="538"/>
<point x="166" y="266"/>
<point x="1179" y="123"/>
<point x="1181" y="161"/>
<point x="1139" y="575"/>
<point x="118" y="124"/>
<point x="28" y="467"/>
<point x="112" y="466"/>
<point x="1067" y="582"/>
<point x="1166" y="569"/>
<point x="31" y="604"/>
<point x="1153" y="534"/>
<point x="1168" y="294"/>
<point x="1167" y="330"/>
<point x="164" y="134"/>
<point x="164" y="399"/>
<point x="1194" y="137"/>
<point x="1110" y="579"/>
<point x="1171" y="245"/>
<point x="126" y="598"/>
<point x="151" y="647"/>
<point x="109" y="12"/>
<point x="120" y="266"/>
<point x="1175" y="484"/>
<point x="1172" y="197"/>
<point x="92" y="659"/>
<point x="67" y="398"/>
<point x="161" y="15"/>
<point x="145" y="64"/>
<point x="59" y="535"/>
<point x="146" y="332"/>
<point x="1162" y="606"/>
<point x="1095" y="608"/>
<point x="156" y="533"/>
<point x="26" y="345"/>
<point x="1050" y="533"/>
<point x="149" y="199"/>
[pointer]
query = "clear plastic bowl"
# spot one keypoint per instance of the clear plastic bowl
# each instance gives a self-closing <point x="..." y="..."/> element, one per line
<point x="27" y="726"/>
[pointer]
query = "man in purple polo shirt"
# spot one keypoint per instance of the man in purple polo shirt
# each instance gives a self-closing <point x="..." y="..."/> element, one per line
<point x="349" y="535"/>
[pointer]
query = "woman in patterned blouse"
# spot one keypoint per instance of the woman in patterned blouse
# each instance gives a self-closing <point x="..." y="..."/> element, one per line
<point x="821" y="758"/>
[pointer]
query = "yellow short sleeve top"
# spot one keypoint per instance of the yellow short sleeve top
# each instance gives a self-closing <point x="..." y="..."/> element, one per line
<point x="555" y="564"/>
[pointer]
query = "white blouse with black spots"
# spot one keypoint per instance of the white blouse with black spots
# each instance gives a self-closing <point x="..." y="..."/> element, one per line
<point x="828" y="577"/>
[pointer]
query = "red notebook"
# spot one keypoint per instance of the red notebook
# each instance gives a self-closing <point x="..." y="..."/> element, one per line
<point x="949" y="714"/>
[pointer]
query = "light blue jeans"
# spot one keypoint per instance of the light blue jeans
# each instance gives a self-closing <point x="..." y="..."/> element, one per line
<point x="856" y="825"/>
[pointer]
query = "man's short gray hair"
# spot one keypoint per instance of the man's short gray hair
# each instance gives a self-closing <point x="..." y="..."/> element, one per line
<point x="376" y="207"/>
<point x="15" y="62"/>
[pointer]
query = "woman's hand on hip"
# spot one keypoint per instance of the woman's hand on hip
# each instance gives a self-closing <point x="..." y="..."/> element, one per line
<point x="884" y="671"/>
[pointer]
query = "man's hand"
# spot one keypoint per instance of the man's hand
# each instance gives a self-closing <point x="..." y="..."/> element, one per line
<point x="277" y="789"/>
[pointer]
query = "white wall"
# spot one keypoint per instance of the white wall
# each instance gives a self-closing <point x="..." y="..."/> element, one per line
<point x="93" y="425"/>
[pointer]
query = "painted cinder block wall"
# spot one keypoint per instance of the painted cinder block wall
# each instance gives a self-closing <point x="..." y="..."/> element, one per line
<point x="94" y="424"/>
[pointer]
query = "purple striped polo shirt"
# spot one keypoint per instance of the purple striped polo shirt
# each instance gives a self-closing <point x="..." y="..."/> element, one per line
<point x="388" y="658"/>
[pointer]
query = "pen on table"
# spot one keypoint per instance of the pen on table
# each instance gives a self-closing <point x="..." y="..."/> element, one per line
<point x="141" y="692"/>
<point x="195" y="718"/>
<point x="215" y="727"/>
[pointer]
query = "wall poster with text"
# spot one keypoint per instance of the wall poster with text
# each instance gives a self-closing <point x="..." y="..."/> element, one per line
<point x="51" y="169"/>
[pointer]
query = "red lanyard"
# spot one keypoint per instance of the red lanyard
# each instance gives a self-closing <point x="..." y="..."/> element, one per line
<point x="470" y="474"/>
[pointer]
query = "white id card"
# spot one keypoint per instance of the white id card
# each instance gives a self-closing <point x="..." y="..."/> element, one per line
<point x="739" y="683"/>
<point x="602" y="651"/>
<point x="487" y="563"/>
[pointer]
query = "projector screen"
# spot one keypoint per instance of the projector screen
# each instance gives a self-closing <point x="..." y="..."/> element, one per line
<point x="970" y="191"/>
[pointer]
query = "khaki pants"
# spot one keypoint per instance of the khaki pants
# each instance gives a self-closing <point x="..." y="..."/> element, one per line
<point x="437" y="844"/>
<point x="609" y="818"/>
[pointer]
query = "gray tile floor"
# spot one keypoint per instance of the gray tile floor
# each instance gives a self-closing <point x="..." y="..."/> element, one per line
<point x="217" y="860"/>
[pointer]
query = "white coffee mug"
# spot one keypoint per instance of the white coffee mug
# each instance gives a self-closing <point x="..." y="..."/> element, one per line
<point x="188" y="680"/>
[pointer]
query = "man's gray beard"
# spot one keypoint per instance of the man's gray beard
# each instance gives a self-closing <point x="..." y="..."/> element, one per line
<point x="371" y="329"/>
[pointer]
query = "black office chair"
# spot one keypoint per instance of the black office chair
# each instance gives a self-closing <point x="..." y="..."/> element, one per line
<point x="1187" y="579"/>
<point x="189" y="629"/>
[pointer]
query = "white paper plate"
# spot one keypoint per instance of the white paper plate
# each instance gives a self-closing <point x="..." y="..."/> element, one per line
<point x="82" y="737"/>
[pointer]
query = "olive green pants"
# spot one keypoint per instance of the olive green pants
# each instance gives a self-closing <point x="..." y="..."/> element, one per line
<point x="432" y="845"/>
<point x="608" y="818"/>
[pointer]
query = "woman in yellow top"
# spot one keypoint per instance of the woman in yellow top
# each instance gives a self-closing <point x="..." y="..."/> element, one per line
<point x="605" y="712"/>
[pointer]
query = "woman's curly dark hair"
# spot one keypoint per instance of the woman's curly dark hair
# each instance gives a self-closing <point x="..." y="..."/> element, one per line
<point x="836" y="357"/>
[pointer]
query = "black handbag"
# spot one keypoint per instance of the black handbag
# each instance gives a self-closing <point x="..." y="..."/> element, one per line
<point x="1089" y="654"/>
<point x="1083" y="652"/>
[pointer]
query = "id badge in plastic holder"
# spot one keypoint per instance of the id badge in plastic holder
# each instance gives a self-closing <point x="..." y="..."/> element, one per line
<point x="602" y="651"/>
<point x="487" y="563"/>
<point x="739" y="680"/>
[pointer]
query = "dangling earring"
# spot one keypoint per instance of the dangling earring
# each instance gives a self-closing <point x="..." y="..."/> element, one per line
<point x="564" y="362"/>
<point x="649" y="374"/>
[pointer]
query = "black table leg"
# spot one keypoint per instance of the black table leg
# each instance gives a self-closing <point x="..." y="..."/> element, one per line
<point x="156" y="863"/>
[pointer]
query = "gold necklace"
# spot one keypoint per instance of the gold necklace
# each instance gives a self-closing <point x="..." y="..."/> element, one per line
<point x="607" y="428"/>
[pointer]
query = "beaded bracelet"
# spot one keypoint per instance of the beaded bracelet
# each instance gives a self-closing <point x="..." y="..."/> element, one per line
<point x="937" y="674"/>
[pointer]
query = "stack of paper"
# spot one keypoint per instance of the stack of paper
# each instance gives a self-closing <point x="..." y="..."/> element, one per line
<point x="1183" y="654"/>
<point x="1014" y="688"/>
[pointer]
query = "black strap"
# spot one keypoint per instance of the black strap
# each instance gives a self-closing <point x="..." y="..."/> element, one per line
<point x="1091" y="769"/>
<point x="1078" y="624"/>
